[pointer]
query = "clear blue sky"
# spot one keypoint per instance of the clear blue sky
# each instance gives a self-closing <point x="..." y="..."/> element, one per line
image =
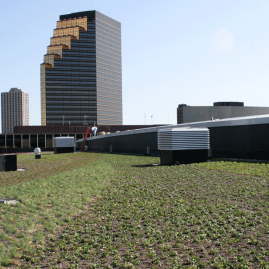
<point x="173" y="52"/>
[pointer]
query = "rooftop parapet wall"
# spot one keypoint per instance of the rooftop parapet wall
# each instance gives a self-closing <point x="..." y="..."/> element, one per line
<point x="125" y="142"/>
<point x="243" y="138"/>
<point x="75" y="128"/>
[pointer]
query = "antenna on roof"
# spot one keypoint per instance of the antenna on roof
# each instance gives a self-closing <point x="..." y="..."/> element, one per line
<point x="145" y="118"/>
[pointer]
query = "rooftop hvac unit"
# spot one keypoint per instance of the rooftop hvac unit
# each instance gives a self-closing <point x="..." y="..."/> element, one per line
<point x="64" y="144"/>
<point x="8" y="162"/>
<point x="183" y="145"/>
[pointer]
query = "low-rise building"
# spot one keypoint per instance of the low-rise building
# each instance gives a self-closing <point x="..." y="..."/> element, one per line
<point x="219" y="110"/>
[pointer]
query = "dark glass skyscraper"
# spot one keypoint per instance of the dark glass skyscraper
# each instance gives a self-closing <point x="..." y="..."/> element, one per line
<point x="81" y="77"/>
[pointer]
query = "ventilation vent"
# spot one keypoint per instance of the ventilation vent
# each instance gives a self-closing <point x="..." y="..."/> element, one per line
<point x="183" y="139"/>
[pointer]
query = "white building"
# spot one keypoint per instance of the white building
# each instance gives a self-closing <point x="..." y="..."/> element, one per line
<point x="15" y="109"/>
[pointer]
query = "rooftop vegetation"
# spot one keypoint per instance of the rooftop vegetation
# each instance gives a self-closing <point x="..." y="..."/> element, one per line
<point x="122" y="211"/>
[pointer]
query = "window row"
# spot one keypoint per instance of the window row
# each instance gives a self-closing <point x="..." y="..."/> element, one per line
<point x="75" y="113"/>
<point x="82" y="72"/>
<point x="101" y="42"/>
<point x="90" y="33"/>
<point x="100" y="82"/>
<point x="77" y="44"/>
<point x="75" y="99"/>
<point x="88" y="39"/>
<point x="63" y="72"/>
<point x="101" y="66"/>
<point x="106" y="37"/>
<point x="109" y="104"/>
<point x="14" y="118"/>
<point x="81" y="58"/>
<point x="108" y="42"/>
<point x="108" y="58"/>
<point x="62" y="62"/>
<point x="73" y="52"/>
<point x="91" y="29"/>
<point x="103" y="98"/>
<point x="101" y="90"/>
<point x="72" y="92"/>
<point x="62" y="67"/>
<point x="108" y="63"/>
<point x="109" y="49"/>
<point x="114" y="97"/>
<point x="73" y="95"/>
<point x="103" y="31"/>
<point x="84" y="80"/>
<point x="100" y="24"/>
<point x="108" y="108"/>
<point x="106" y="24"/>
<point x="110" y="85"/>
<point x="105" y="71"/>
<point x="84" y="47"/>
<point x="115" y="113"/>
<point x="110" y="90"/>
<point x="70" y="77"/>
<point x="81" y="117"/>
<point x="70" y="82"/>
<point x="70" y="87"/>
<point x="105" y="122"/>
<point x="114" y="80"/>
<point x="80" y="107"/>
<point x="103" y="75"/>
<point x="83" y="42"/>
<point x="70" y="101"/>
<point x="76" y="47"/>
<point x="54" y="122"/>
<point x="108" y="53"/>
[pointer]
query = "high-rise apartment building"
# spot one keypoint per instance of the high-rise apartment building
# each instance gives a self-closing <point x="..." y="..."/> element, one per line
<point x="15" y="109"/>
<point x="81" y="77"/>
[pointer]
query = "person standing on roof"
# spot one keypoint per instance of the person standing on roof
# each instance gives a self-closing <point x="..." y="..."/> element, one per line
<point x="94" y="129"/>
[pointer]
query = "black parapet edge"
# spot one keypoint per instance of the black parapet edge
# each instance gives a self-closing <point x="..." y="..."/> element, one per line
<point x="89" y="14"/>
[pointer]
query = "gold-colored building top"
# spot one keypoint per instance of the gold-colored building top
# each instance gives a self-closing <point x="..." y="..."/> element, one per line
<point x="66" y="31"/>
<point x="82" y="22"/>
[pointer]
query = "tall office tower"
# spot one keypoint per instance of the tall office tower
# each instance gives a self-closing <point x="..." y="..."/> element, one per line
<point x="15" y="109"/>
<point x="81" y="77"/>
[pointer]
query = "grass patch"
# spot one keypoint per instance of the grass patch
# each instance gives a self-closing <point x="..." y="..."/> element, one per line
<point x="238" y="167"/>
<point x="48" y="201"/>
<point x="166" y="217"/>
<point x="50" y="164"/>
